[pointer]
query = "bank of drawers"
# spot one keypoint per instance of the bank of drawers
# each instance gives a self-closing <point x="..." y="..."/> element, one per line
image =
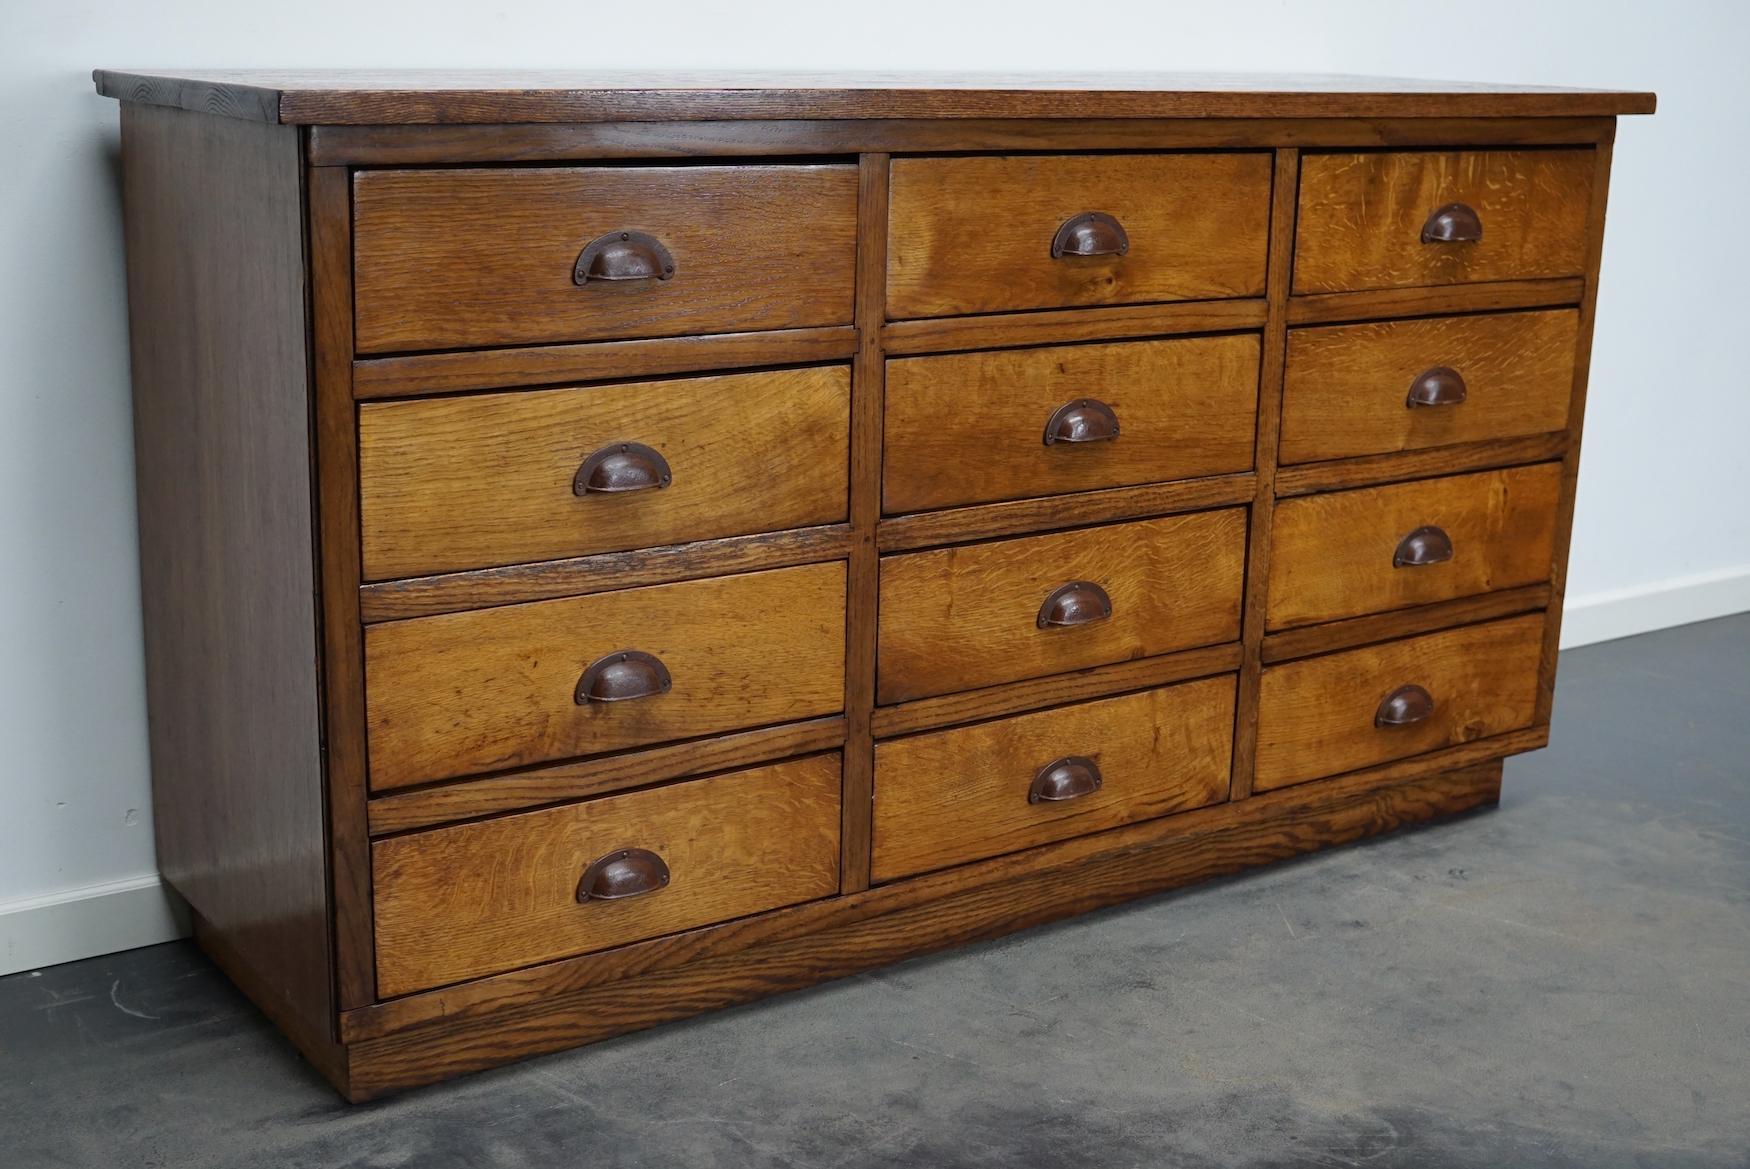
<point x="454" y="259"/>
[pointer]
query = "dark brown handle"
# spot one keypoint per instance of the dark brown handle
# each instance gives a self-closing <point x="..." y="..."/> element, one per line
<point x="1440" y="386"/>
<point x="622" y="676"/>
<point x="1069" y="778"/>
<point x="1428" y="545"/>
<point x="622" y="467"/>
<point x="1455" y="223"/>
<point x="630" y="872"/>
<point x="1404" y="707"/>
<point x="622" y="255"/>
<point x="1092" y="233"/>
<point x="1080" y="602"/>
<point x="1083" y="420"/>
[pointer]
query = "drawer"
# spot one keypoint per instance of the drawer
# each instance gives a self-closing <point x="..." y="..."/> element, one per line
<point x="468" y="482"/>
<point x="980" y="427"/>
<point x="500" y="688"/>
<point x="954" y="796"/>
<point x="1355" y="552"/>
<point x="978" y="235"/>
<point x="454" y="258"/>
<point x="494" y="895"/>
<point x="960" y="618"/>
<point x="1500" y="375"/>
<point x="1363" y="217"/>
<point x="1319" y="716"/>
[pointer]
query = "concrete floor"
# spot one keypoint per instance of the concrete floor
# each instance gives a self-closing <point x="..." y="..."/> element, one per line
<point x="1562" y="981"/>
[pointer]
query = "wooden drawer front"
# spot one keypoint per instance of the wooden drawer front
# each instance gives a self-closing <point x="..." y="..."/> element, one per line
<point x="961" y="618"/>
<point x="454" y="258"/>
<point x="1348" y="386"/>
<point x="1317" y="717"/>
<point x="497" y="688"/>
<point x="1362" y="217"/>
<point x="1339" y="555"/>
<point x="972" y="427"/>
<point x="454" y="483"/>
<point x="974" y="235"/>
<point x="954" y="796"/>
<point x="493" y="895"/>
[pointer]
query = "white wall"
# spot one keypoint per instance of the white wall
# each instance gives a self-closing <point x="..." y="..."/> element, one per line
<point x="1662" y="534"/>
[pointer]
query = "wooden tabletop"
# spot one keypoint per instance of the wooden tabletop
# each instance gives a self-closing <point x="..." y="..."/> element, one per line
<point x="351" y="97"/>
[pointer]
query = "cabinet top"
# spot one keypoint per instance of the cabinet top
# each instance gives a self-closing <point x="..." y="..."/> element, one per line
<point x="411" y="97"/>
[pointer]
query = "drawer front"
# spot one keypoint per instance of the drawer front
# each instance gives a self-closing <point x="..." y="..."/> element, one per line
<point x="454" y="258"/>
<point x="494" y="895"/>
<point x="1363" y="217"/>
<point x="1405" y="385"/>
<point x="961" y="618"/>
<point x="1319" y="716"/>
<point x="1355" y="552"/>
<point x="976" y="235"/>
<point x="954" y="796"/>
<point x="499" y="688"/>
<point x="980" y="427"/>
<point x="455" y="483"/>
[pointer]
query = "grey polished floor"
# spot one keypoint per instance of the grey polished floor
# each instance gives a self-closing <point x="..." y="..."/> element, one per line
<point x="1562" y="981"/>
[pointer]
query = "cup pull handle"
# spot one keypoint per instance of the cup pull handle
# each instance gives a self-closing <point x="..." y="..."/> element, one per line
<point x="623" y="676"/>
<point x="1083" y="420"/>
<point x="627" y="872"/>
<point x="621" y="467"/>
<point x="1454" y="223"/>
<point x="1427" y="545"/>
<point x="1068" y="778"/>
<point x="1092" y="233"/>
<point x="1080" y="602"/>
<point x="622" y="256"/>
<point x="1440" y="386"/>
<point x="1405" y="706"/>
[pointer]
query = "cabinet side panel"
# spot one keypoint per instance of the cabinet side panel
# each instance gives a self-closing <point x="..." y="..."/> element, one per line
<point x="216" y="298"/>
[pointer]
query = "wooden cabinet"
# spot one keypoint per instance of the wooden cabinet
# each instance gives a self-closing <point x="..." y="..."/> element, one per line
<point x="611" y="553"/>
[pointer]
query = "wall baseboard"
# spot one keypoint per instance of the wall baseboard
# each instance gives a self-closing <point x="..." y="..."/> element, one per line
<point x="82" y="923"/>
<point x="142" y="911"/>
<point x="1683" y="600"/>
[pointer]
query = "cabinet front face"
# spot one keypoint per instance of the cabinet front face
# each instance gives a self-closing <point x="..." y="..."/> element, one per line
<point x="751" y="550"/>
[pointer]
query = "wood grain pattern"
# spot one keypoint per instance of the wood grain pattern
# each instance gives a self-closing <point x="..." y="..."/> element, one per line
<point x="1361" y="217"/>
<point x="1318" y="639"/>
<point x="716" y="138"/>
<point x="961" y="618"/>
<point x="426" y="596"/>
<point x="969" y="428"/>
<point x="1139" y="859"/>
<point x="1483" y="297"/>
<point x="454" y="258"/>
<point x="216" y="296"/>
<point x="1348" y="385"/>
<point x="954" y="796"/>
<point x="1057" y="326"/>
<point x="494" y="689"/>
<point x="485" y="480"/>
<point x="421" y="374"/>
<point x="1315" y="717"/>
<point x="492" y="895"/>
<point x="943" y="710"/>
<point x="973" y="235"/>
<point x="466" y="799"/>
<point x="1372" y="470"/>
<point x="380" y="97"/>
<point x="1333" y="554"/>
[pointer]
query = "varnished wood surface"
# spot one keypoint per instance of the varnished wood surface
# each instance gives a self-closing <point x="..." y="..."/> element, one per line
<point x="969" y="428"/>
<point x="382" y="97"/>
<point x="961" y="618"/>
<point x="483" y="480"/>
<point x="1482" y="297"/>
<point x="583" y="141"/>
<point x="1055" y="326"/>
<point x="973" y="234"/>
<point x="424" y="807"/>
<point x="1316" y="716"/>
<point x="1332" y="555"/>
<point x="452" y="258"/>
<point x="1348" y="385"/>
<point x="494" y="689"/>
<point x="426" y="596"/>
<point x="1113" y="867"/>
<point x="496" y="894"/>
<point x="1361" y="217"/>
<point x="1371" y="470"/>
<point x="544" y="365"/>
<point x="954" y="796"/>
<point x="1308" y="640"/>
<point x="216" y="295"/>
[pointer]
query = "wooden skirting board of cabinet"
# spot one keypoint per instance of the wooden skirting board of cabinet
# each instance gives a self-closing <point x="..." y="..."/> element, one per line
<point x="615" y="547"/>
